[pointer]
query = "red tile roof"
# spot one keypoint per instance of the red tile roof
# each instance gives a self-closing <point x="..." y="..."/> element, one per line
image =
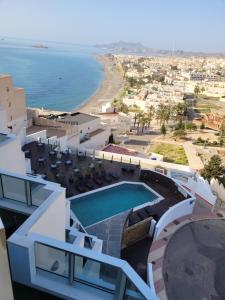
<point x="120" y="150"/>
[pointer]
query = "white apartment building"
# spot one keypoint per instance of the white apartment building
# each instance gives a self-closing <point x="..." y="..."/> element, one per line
<point x="12" y="107"/>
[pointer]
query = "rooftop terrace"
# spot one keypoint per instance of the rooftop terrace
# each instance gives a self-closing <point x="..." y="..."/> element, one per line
<point x="80" y="173"/>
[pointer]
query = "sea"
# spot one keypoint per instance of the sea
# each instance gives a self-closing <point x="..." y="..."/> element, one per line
<point x="60" y="77"/>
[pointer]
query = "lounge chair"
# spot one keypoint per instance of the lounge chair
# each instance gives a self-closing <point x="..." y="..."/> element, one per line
<point x="98" y="181"/>
<point x="89" y="184"/>
<point x="114" y="175"/>
<point x="108" y="178"/>
<point x="80" y="186"/>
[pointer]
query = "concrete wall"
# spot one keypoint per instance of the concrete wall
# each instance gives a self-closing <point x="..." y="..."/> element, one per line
<point x="177" y="211"/>
<point x="12" y="158"/>
<point x="97" y="141"/>
<point x="12" y="100"/>
<point x="201" y="187"/>
<point x="6" y="292"/>
<point x="37" y="135"/>
<point x="219" y="190"/>
<point x="52" y="221"/>
<point x="3" y="122"/>
<point x="88" y="127"/>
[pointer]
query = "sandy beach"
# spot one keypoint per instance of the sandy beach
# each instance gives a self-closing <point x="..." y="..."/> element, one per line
<point x="111" y="86"/>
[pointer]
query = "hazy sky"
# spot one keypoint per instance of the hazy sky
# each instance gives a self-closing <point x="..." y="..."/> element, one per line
<point x="166" y="24"/>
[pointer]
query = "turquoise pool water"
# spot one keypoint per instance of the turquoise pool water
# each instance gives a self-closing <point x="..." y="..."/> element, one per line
<point x="98" y="206"/>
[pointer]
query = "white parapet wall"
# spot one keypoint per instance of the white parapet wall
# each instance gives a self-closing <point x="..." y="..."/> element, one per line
<point x="201" y="187"/>
<point x="6" y="292"/>
<point x="12" y="158"/>
<point x="175" y="212"/>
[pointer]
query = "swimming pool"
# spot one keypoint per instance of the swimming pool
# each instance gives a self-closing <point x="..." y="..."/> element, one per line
<point x="99" y="205"/>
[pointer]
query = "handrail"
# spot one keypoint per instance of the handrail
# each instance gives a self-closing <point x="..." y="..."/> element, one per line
<point x="141" y="286"/>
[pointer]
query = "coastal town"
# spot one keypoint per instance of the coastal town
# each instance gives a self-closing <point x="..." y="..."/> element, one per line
<point x="160" y="125"/>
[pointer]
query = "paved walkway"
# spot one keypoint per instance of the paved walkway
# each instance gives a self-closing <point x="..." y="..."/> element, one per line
<point x="201" y="211"/>
<point x="193" y="159"/>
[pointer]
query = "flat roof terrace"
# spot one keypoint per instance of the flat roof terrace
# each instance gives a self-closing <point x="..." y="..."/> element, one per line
<point x="194" y="260"/>
<point x="51" y="131"/>
<point x="77" y="118"/>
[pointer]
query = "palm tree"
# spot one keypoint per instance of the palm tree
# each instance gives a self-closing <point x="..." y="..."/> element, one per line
<point x="135" y="119"/>
<point x="161" y="113"/>
<point x="144" y="121"/>
<point x="150" y="115"/>
<point x="140" y="115"/>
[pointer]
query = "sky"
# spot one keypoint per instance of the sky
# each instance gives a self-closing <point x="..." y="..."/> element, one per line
<point x="190" y="25"/>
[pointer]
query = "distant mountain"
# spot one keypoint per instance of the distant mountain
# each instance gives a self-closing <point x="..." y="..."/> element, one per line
<point x="122" y="47"/>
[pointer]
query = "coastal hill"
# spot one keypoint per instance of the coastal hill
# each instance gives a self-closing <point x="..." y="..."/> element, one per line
<point x="122" y="47"/>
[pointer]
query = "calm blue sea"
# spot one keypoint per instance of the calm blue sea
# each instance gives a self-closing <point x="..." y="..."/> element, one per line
<point x="61" y="77"/>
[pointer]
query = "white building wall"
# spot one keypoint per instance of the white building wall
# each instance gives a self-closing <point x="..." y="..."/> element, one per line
<point x="52" y="222"/>
<point x="12" y="158"/>
<point x="88" y="127"/>
<point x="97" y="141"/>
<point x="6" y="292"/>
<point x="177" y="211"/>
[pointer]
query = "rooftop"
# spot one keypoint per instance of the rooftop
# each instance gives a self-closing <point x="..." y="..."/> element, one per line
<point x="51" y="131"/>
<point x="196" y="271"/>
<point x="120" y="150"/>
<point x="77" y="118"/>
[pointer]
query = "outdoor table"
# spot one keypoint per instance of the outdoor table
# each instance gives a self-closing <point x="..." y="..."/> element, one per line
<point x="40" y="144"/>
<point x="41" y="159"/>
<point x="68" y="162"/>
<point x="52" y="153"/>
<point x="76" y="170"/>
<point x="58" y="162"/>
<point x="53" y="166"/>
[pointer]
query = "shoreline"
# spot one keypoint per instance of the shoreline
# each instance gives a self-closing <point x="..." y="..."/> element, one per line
<point x="110" y="87"/>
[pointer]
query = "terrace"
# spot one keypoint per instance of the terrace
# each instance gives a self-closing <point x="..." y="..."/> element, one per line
<point x="51" y="260"/>
<point x="81" y="172"/>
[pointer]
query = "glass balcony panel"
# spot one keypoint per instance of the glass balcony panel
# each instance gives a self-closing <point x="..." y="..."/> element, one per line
<point x="14" y="188"/>
<point x="131" y="292"/>
<point x="98" y="274"/>
<point x="38" y="193"/>
<point x="52" y="260"/>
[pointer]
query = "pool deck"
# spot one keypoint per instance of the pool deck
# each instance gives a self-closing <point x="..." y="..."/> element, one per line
<point x="65" y="175"/>
<point x="110" y="231"/>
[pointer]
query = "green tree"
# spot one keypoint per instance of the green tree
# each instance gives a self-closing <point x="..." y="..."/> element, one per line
<point x="135" y="119"/>
<point x="197" y="90"/>
<point x="140" y="115"/>
<point x="163" y="129"/>
<point x="179" y="133"/>
<point x="150" y="115"/>
<point x="190" y="126"/>
<point x="161" y="113"/>
<point x="202" y="126"/>
<point x="111" y="139"/>
<point x="213" y="169"/>
<point x="143" y="122"/>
